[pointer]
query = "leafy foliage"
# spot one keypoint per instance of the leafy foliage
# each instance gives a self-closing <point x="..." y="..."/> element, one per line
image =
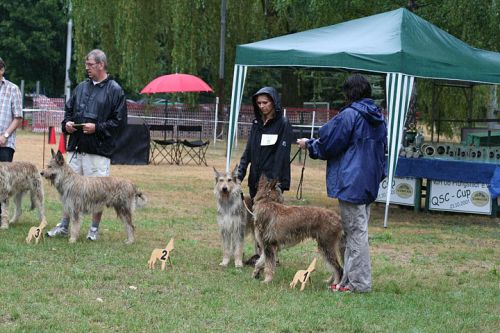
<point x="32" y="43"/>
<point x="144" y="41"/>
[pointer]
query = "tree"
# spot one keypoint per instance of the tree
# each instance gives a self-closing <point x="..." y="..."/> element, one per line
<point x="145" y="41"/>
<point x="32" y="44"/>
<point x="480" y="29"/>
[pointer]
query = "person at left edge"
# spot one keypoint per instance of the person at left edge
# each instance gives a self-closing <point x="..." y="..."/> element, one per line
<point x="11" y="115"/>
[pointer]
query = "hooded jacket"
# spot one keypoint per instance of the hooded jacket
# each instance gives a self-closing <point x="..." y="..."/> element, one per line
<point x="354" y="144"/>
<point x="268" y="146"/>
<point x="103" y="104"/>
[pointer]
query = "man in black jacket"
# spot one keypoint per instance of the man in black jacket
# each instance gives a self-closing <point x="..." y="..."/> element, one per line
<point x="94" y="115"/>
<point x="268" y="146"/>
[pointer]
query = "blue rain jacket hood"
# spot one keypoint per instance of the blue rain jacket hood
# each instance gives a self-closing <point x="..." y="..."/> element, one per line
<point x="353" y="143"/>
<point x="272" y="160"/>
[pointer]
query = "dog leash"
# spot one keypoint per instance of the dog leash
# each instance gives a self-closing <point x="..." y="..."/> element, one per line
<point x="298" y="195"/>
<point x="245" y="204"/>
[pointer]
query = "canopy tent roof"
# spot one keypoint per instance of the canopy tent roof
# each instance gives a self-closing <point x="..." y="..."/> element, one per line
<point x="395" y="41"/>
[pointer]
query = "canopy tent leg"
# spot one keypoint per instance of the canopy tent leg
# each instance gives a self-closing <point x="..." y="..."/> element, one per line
<point x="239" y="76"/>
<point x="398" y="90"/>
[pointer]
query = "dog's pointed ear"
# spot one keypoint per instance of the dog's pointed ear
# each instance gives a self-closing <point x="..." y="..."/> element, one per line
<point x="59" y="158"/>
<point x="52" y="152"/>
<point x="234" y="173"/>
<point x="262" y="181"/>
<point x="216" y="173"/>
<point x="274" y="182"/>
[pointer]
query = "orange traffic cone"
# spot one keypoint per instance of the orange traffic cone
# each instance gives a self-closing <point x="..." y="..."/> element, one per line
<point x="62" y="143"/>
<point x="52" y="135"/>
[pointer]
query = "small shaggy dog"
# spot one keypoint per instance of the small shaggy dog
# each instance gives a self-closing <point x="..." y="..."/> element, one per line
<point x="16" y="179"/>
<point x="80" y="194"/>
<point x="278" y="226"/>
<point x="232" y="216"/>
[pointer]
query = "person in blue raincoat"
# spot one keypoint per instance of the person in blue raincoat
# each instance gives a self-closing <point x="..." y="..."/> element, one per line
<point x="353" y="143"/>
<point x="269" y="143"/>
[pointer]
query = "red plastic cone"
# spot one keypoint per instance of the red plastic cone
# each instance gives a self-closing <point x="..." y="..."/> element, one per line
<point x="62" y="143"/>
<point x="52" y="135"/>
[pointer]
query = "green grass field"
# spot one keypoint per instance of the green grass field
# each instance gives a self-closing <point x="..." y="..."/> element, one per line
<point x="431" y="272"/>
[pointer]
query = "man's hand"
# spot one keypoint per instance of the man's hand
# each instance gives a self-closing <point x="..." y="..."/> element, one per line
<point x="88" y="128"/>
<point x="69" y="127"/>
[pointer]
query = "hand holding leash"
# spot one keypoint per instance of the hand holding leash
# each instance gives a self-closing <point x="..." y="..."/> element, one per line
<point x="302" y="143"/>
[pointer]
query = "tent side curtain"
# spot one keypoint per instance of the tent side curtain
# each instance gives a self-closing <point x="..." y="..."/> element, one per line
<point x="398" y="89"/>
<point x="239" y="76"/>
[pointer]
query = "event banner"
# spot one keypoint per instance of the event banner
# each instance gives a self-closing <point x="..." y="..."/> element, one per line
<point x="402" y="191"/>
<point x="459" y="197"/>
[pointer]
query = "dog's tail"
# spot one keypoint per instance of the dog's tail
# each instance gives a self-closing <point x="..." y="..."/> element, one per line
<point x="140" y="200"/>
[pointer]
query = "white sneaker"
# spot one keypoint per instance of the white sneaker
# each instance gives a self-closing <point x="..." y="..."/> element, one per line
<point x="93" y="234"/>
<point x="58" y="230"/>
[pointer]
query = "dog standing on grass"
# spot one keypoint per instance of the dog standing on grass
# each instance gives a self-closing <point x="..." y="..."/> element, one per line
<point x="16" y="179"/>
<point x="232" y="216"/>
<point x="278" y="226"/>
<point x="80" y="194"/>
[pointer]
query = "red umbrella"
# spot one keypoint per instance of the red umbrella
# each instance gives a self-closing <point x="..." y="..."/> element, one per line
<point x="173" y="83"/>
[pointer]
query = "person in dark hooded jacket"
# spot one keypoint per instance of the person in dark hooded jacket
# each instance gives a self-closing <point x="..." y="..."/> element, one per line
<point x="268" y="146"/>
<point x="353" y="143"/>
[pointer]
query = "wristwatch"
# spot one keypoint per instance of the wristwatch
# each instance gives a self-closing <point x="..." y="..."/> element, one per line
<point x="6" y="135"/>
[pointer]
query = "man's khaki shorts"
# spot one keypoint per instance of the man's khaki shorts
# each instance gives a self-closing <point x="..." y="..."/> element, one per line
<point x="88" y="164"/>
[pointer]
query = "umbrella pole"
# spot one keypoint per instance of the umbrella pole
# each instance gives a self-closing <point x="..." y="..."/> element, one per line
<point x="166" y="112"/>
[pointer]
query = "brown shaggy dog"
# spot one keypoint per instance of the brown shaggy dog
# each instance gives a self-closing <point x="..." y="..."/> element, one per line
<point x="16" y="179"/>
<point x="80" y="194"/>
<point x="278" y="226"/>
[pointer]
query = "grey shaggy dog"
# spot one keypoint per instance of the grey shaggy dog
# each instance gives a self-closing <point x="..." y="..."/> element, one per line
<point x="80" y="194"/>
<point x="232" y="217"/>
<point x="16" y="179"/>
<point x="278" y="226"/>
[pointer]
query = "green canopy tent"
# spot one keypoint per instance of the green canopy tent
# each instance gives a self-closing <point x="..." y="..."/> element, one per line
<point x="397" y="43"/>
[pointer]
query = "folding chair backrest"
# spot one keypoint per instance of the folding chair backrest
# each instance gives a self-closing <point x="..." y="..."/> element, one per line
<point x="162" y="130"/>
<point x="162" y="148"/>
<point x="189" y="129"/>
<point x="191" y="149"/>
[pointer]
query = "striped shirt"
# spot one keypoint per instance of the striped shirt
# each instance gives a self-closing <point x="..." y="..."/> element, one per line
<point x="10" y="108"/>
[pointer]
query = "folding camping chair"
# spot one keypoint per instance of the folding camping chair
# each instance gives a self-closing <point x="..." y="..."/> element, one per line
<point x="191" y="150"/>
<point x="163" y="149"/>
